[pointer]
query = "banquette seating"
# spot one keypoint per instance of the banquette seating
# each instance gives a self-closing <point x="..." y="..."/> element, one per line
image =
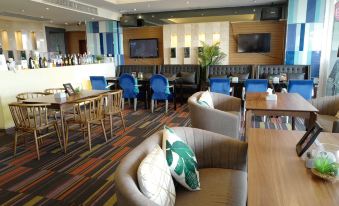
<point x="147" y="70"/>
<point x="241" y="71"/>
<point x="298" y="72"/>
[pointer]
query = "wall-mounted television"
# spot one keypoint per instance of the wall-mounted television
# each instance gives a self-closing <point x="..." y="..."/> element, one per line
<point x="254" y="43"/>
<point x="143" y="48"/>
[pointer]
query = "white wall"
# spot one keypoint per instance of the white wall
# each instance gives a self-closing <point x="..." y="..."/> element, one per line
<point x="194" y="31"/>
<point x="37" y="80"/>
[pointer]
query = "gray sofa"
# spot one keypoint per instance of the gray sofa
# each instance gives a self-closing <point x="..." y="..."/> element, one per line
<point x="263" y="71"/>
<point x="328" y="108"/>
<point x="224" y="119"/>
<point x="222" y="167"/>
<point x="147" y="70"/>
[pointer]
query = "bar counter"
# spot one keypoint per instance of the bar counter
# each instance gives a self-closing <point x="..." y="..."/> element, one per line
<point x="37" y="80"/>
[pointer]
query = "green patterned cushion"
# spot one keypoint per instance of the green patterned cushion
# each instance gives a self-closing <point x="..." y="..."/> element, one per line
<point x="181" y="160"/>
<point x="206" y="100"/>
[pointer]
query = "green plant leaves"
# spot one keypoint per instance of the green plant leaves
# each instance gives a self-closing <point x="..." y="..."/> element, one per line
<point x="325" y="166"/>
<point x="210" y="54"/>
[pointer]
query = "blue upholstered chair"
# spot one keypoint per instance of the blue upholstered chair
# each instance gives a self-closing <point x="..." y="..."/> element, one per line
<point x="220" y="85"/>
<point x="161" y="90"/>
<point x="256" y="85"/>
<point x="130" y="89"/>
<point x="99" y="83"/>
<point x="302" y="87"/>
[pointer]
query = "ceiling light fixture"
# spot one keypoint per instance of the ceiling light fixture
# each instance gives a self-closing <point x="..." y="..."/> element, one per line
<point x="47" y="8"/>
<point x="41" y="17"/>
<point x="23" y="10"/>
<point x="93" y="18"/>
<point x="66" y="23"/>
<point x="134" y="9"/>
<point x="139" y="16"/>
<point x="187" y="2"/>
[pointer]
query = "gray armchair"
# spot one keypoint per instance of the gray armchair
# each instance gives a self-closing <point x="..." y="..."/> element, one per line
<point x="222" y="168"/>
<point x="224" y="119"/>
<point x="328" y="108"/>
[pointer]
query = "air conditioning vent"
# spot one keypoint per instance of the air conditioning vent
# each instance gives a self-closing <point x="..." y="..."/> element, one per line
<point x="21" y="16"/>
<point x="74" y="6"/>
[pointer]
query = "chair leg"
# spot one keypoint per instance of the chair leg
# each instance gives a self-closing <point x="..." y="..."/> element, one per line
<point x="123" y="103"/>
<point x="166" y="102"/>
<point x="103" y="129"/>
<point x="129" y="102"/>
<point x="135" y="104"/>
<point x="111" y="124"/>
<point x="15" y="142"/>
<point x="66" y="139"/>
<point x="58" y="134"/>
<point x="155" y="103"/>
<point x="89" y="136"/>
<point x="152" y="105"/>
<point x="36" y="144"/>
<point x="123" y="121"/>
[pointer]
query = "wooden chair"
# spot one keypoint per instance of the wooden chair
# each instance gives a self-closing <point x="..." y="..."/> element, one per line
<point x="112" y="106"/>
<point x="29" y="95"/>
<point x="54" y="90"/>
<point x="32" y="118"/>
<point x="86" y="112"/>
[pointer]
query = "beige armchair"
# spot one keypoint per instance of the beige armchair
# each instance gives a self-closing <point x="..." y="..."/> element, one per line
<point x="222" y="168"/>
<point x="328" y="108"/>
<point x="224" y="119"/>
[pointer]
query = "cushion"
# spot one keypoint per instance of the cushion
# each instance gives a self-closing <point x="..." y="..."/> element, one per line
<point x="181" y="160"/>
<point x="297" y="76"/>
<point x="221" y="76"/>
<point x="188" y="77"/>
<point x="155" y="180"/>
<point x="147" y="75"/>
<point x="206" y="100"/>
<point x="169" y="75"/>
<point x="218" y="187"/>
<point x="326" y="122"/>
<point x="241" y="76"/>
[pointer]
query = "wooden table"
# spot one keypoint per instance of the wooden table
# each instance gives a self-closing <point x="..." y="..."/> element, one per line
<point x="287" y="104"/>
<point x="62" y="104"/>
<point x="277" y="176"/>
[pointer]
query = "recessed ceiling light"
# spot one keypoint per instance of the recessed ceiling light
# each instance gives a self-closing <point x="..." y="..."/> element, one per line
<point x="66" y="23"/>
<point x="41" y="17"/>
<point x="187" y="2"/>
<point x="134" y="9"/>
<point x="93" y="18"/>
<point x="47" y="8"/>
<point x="153" y="16"/>
<point x="23" y="10"/>
<point x="253" y="10"/>
<point x="51" y="21"/>
<point x="139" y="16"/>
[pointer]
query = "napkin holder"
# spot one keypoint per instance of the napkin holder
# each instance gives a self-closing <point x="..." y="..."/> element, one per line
<point x="271" y="97"/>
<point x="235" y="79"/>
<point x="276" y="80"/>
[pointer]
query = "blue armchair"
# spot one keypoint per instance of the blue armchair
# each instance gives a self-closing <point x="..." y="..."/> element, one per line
<point x="129" y="86"/>
<point x="161" y="90"/>
<point x="220" y="85"/>
<point x="99" y="83"/>
<point x="302" y="87"/>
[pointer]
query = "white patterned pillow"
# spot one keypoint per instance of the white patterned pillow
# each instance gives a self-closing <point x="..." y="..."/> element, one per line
<point x="155" y="180"/>
<point x="181" y="160"/>
<point x="206" y="100"/>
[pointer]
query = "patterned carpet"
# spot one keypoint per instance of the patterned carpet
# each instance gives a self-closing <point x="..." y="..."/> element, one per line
<point x="81" y="177"/>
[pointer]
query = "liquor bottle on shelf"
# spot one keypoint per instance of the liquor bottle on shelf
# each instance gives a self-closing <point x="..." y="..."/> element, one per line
<point x="78" y="59"/>
<point x="30" y="63"/>
<point x="44" y="62"/>
<point x="40" y="62"/>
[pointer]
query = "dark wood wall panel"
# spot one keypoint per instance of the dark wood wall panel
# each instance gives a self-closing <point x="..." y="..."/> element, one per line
<point x="143" y="33"/>
<point x="276" y="55"/>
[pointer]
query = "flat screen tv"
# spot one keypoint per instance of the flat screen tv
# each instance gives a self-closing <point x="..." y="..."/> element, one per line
<point x="254" y="43"/>
<point x="143" y="48"/>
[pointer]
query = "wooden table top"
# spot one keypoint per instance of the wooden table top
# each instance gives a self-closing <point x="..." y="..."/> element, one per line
<point x="50" y="99"/>
<point x="284" y="102"/>
<point x="277" y="176"/>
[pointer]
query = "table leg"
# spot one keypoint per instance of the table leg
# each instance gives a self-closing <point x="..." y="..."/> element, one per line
<point x="293" y="123"/>
<point x="174" y="98"/>
<point x="63" y="127"/>
<point x="312" y="120"/>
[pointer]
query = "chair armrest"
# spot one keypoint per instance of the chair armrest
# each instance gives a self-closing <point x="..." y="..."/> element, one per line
<point x="226" y="103"/>
<point x="109" y="85"/>
<point x="215" y="150"/>
<point x="336" y="126"/>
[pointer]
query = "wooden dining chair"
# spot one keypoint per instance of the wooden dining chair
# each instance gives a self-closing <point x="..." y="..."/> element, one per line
<point x="29" y="95"/>
<point x="54" y="90"/>
<point x="32" y="118"/>
<point x="86" y="112"/>
<point x="112" y="105"/>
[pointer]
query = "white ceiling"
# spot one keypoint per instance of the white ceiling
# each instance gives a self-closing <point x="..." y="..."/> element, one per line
<point x="147" y="6"/>
<point x="58" y="15"/>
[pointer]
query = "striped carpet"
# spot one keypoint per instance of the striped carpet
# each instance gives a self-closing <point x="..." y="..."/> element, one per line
<point x="81" y="177"/>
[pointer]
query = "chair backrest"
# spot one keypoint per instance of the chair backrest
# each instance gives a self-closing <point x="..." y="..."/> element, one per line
<point x="98" y="82"/>
<point x="263" y="71"/>
<point x="54" y="90"/>
<point x="127" y="83"/>
<point x="158" y="83"/>
<point x="89" y="109"/>
<point x="29" y="116"/>
<point x="175" y="69"/>
<point x="220" y="85"/>
<point x="29" y="95"/>
<point x="256" y="85"/>
<point x="145" y="69"/>
<point x="302" y="87"/>
<point x="112" y="101"/>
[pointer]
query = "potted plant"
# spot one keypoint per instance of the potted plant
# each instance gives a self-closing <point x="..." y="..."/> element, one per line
<point x="99" y="58"/>
<point x="325" y="166"/>
<point x="209" y="55"/>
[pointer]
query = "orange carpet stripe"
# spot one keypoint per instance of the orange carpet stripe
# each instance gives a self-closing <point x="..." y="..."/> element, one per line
<point x="13" y="174"/>
<point x="125" y="140"/>
<point x="73" y="188"/>
<point x="92" y="167"/>
<point x="79" y="169"/>
<point x="120" y="153"/>
<point x="28" y="187"/>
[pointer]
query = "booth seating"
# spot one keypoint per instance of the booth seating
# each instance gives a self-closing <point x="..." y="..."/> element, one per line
<point x="188" y="74"/>
<point x="298" y="72"/>
<point x="147" y="70"/>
